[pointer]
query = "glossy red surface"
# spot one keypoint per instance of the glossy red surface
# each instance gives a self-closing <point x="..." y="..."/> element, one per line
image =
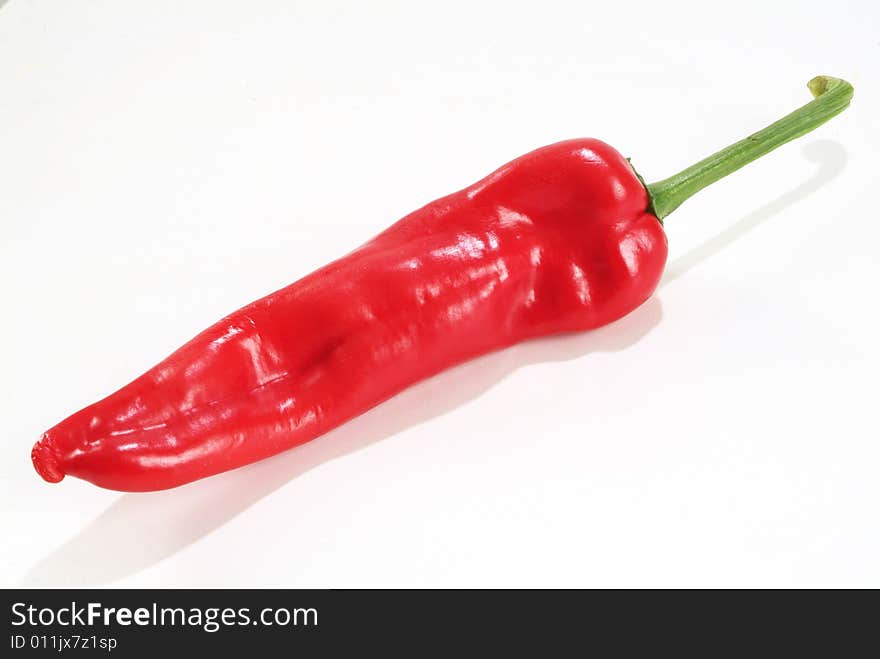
<point x="558" y="240"/>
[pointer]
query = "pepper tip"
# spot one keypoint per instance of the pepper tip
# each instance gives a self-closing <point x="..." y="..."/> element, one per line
<point x="45" y="460"/>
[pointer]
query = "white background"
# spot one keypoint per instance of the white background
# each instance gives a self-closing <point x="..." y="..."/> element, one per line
<point x="163" y="163"/>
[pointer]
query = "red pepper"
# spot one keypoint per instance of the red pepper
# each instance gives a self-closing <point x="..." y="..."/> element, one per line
<point x="563" y="239"/>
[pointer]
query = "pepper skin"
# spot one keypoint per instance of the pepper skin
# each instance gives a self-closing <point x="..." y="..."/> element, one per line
<point x="558" y="240"/>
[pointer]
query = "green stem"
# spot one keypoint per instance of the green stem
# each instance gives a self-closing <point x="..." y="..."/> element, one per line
<point x="832" y="96"/>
